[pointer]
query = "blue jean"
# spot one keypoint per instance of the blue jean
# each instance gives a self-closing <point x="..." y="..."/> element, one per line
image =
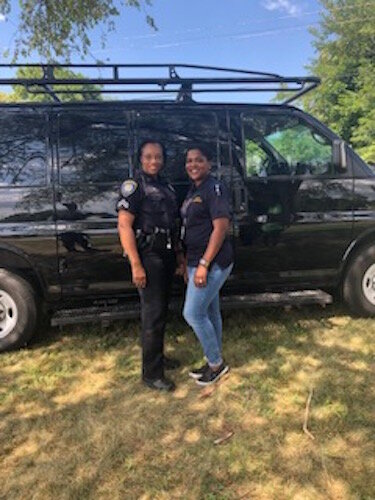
<point x="202" y="311"/>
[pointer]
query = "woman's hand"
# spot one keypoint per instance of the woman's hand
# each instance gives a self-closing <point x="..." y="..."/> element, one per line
<point x="138" y="275"/>
<point x="200" y="277"/>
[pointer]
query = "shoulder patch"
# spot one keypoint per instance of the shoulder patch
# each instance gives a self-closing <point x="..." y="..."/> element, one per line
<point x="197" y="199"/>
<point x="217" y="189"/>
<point x="123" y="204"/>
<point x="128" y="187"/>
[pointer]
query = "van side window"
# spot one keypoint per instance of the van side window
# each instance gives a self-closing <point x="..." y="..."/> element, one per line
<point x="23" y="153"/>
<point x="277" y="144"/>
<point x="177" y="130"/>
<point x="93" y="148"/>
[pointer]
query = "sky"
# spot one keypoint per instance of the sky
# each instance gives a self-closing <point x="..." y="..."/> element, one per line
<point x="262" y="35"/>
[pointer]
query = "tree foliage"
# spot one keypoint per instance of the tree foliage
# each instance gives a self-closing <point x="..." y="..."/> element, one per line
<point x="4" y="97"/>
<point x="82" y="92"/>
<point x="299" y="145"/>
<point x="57" y="29"/>
<point x="345" y="44"/>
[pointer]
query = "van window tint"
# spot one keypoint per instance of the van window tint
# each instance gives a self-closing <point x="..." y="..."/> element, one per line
<point x="23" y="154"/>
<point x="93" y="148"/>
<point x="284" y="145"/>
<point x="177" y="130"/>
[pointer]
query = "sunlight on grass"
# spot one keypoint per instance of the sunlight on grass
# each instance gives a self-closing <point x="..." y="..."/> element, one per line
<point x="76" y="422"/>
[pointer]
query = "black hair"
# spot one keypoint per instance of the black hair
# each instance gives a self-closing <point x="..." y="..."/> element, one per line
<point x="151" y="141"/>
<point x="205" y="150"/>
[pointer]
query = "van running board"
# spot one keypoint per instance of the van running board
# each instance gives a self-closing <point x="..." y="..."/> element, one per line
<point x="105" y="315"/>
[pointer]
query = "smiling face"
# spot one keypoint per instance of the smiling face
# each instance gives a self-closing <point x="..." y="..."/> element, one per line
<point x="197" y="166"/>
<point x="152" y="158"/>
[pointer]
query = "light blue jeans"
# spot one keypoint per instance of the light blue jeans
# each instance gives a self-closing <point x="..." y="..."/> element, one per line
<point x="202" y="311"/>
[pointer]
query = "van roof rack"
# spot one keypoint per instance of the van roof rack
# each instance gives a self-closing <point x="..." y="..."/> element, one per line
<point x="220" y="80"/>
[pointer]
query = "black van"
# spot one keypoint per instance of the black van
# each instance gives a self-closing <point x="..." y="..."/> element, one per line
<point x="303" y="201"/>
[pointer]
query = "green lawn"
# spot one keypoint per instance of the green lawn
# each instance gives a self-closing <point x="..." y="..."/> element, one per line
<point x="77" y="423"/>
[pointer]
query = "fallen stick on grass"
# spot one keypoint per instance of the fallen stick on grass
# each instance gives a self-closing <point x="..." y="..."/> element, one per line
<point x="227" y="436"/>
<point x="307" y="410"/>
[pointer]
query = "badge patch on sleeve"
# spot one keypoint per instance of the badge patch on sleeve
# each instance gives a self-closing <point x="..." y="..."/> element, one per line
<point x="197" y="199"/>
<point x="128" y="187"/>
<point x="217" y="189"/>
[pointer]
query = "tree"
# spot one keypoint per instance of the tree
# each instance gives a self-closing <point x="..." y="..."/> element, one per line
<point x="79" y="92"/>
<point x="345" y="43"/>
<point x="57" y="29"/>
<point x="4" y="97"/>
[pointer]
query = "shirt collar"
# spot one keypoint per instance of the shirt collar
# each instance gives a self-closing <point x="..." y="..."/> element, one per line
<point x="202" y="184"/>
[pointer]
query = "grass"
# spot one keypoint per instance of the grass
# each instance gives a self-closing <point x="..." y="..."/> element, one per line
<point x="76" y="422"/>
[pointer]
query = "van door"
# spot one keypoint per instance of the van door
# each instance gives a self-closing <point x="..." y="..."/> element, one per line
<point x="178" y="128"/>
<point x="27" y="226"/>
<point x="297" y="223"/>
<point x="93" y="158"/>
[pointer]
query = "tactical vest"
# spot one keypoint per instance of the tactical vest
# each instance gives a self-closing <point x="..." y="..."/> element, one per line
<point x="158" y="210"/>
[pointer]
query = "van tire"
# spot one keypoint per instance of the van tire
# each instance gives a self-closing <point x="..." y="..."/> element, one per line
<point x="359" y="283"/>
<point x="18" y="311"/>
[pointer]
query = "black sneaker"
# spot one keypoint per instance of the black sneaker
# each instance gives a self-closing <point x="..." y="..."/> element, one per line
<point x="197" y="373"/>
<point x="210" y="376"/>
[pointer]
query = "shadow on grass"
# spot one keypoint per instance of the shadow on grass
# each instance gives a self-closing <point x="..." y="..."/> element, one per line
<point x="77" y="423"/>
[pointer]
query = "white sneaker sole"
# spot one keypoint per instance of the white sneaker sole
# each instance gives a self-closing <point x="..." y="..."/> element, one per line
<point x="223" y="372"/>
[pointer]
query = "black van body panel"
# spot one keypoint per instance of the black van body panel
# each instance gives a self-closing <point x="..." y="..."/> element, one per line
<point x="364" y="212"/>
<point x="289" y="231"/>
<point x="27" y="225"/>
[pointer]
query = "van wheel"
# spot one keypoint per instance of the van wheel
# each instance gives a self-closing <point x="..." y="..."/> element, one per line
<point x="18" y="311"/>
<point x="359" y="283"/>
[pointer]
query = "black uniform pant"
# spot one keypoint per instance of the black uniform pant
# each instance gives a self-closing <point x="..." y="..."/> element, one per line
<point x="160" y="268"/>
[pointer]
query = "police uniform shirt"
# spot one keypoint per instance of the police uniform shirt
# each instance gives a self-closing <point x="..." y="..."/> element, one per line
<point x="203" y="204"/>
<point x="152" y="200"/>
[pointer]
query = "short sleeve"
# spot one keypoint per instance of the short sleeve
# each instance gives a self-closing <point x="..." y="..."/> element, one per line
<point x="130" y="197"/>
<point x="218" y="201"/>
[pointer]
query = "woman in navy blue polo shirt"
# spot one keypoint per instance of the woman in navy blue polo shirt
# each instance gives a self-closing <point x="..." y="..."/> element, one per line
<point x="206" y="218"/>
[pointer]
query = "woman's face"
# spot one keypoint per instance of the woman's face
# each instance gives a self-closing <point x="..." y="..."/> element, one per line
<point x="197" y="165"/>
<point x="152" y="158"/>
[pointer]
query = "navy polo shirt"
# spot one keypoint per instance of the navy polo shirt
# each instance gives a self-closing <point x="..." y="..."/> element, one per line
<point x="203" y="204"/>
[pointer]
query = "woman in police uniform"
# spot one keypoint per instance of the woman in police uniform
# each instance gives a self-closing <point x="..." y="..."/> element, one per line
<point x="206" y="218"/>
<point x="147" y="224"/>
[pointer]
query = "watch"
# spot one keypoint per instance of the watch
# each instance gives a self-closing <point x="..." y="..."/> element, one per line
<point x="203" y="262"/>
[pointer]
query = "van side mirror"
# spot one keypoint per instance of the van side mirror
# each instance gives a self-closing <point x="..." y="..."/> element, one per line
<point x="339" y="156"/>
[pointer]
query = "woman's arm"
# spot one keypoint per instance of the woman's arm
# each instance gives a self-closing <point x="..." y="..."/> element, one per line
<point x="220" y="229"/>
<point x="129" y="244"/>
